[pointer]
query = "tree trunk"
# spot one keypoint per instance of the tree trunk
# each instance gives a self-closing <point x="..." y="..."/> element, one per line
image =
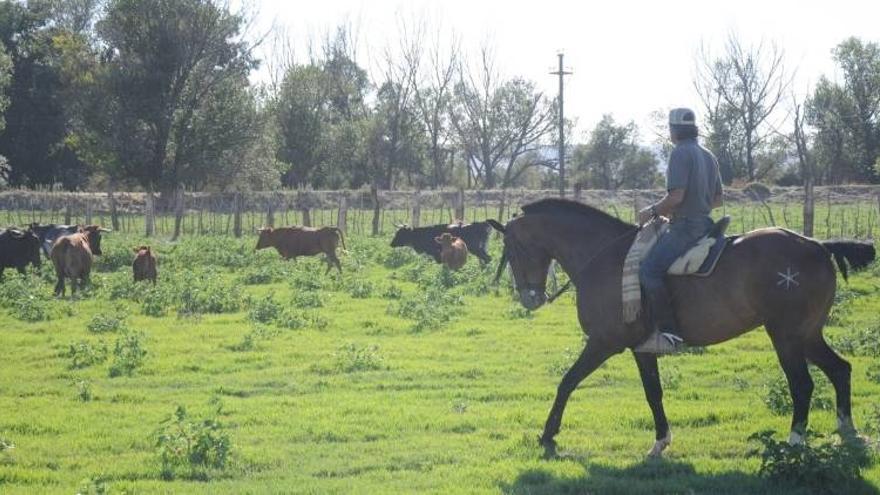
<point x="416" y="209"/>
<point x="178" y="212"/>
<point x="809" y="206"/>
<point x="236" y="215"/>
<point x="150" y="215"/>
<point x="342" y="216"/>
<point x="114" y="216"/>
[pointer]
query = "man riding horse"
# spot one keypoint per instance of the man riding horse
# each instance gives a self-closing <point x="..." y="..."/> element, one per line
<point x="693" y="185"/>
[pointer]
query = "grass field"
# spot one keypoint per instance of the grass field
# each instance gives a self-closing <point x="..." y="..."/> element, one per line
<point x="397" y="377"/>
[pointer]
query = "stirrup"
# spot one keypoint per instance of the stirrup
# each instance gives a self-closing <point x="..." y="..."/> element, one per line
<point x="660" y="343"/>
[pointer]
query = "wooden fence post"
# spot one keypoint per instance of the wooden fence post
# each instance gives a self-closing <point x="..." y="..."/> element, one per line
<point x="342" y="216"/>
<point x="377" y="210"/>
<point x="88" y="214"/>
<point x="270" y="212"/>
<point x="459" y="206"/>
<point x="178" y="212"/>
<point x="236" y="214"/>
<point x="67" y="212"/>
<point x="150" y="214"/>
<point x="114" y="216"/>
<point x="416" y="209"/>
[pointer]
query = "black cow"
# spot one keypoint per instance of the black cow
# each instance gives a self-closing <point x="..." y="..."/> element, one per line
<point x="48" y="234"/>
<point x="17" y="249"/>
<point x="422" y="239"/>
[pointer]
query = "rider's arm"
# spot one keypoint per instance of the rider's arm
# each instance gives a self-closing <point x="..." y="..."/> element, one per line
<point x="667" y="206"/>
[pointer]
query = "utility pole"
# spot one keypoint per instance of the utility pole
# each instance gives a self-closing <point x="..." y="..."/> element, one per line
<point x="561" y="73"/>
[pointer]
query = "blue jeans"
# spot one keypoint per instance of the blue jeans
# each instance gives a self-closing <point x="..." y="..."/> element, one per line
<point x="680" y="237"/>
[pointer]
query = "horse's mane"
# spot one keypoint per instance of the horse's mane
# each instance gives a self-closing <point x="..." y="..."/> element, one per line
<point x="567" y="207"/>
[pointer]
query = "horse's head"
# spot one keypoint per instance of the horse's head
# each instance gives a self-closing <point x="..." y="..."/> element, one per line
<point x="529" y="262"/>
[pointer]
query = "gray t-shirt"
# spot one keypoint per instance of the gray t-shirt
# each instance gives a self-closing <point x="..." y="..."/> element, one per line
<point x="694" y="169"/>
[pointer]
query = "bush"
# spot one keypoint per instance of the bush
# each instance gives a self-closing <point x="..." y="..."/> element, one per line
<point x="360" y="289"/>
<point x="31" y="309"/>
<point x="429" y="309"/>
<point x="191" y="447"/>
<point x="352" y="357"/>
<point x="823" y="468"/>
<point x="84" y="390"/>
<point x="250" y="339"/>
<point x="396" y="258"/>
<point x="156" y="302"/>
<point x="516" y="311"/>
<point x="862" y="342"/>
<point x="207" y="293"/>
<point x="307" y="299"/>
<point x="261" y="275"/>
<point x="102" y="323"/>
<point x="114" y="257"/>
<point x="264" y="310"/>
<point x="128" y="354"/>
<point x="292" y="320"/>
<point x="392" y="292"/>
<point x="83" y="354"/>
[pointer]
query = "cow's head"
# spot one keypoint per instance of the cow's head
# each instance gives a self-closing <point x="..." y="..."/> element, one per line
<point x="265" y="239"/>
<point x="29" y="244"/>
<point x="445" y="240"/>
<point x="39" y="230"/>
<point x="142" y="249"/>
<point x="93" y="235"/>
<point x="403" y="236"/>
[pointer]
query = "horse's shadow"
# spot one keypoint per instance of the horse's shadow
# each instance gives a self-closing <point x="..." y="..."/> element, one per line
<point x="656" y="476"/>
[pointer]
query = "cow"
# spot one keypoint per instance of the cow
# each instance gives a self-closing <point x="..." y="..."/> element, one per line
<point x="144" y="264"/>
<point x="291" y="242"/>
<point x="422" y="239"/>
<point x="453" y="251"/>
<point x="49" y="233"/>
<point x="72" y="257"/>
<point x="17" y="249"/>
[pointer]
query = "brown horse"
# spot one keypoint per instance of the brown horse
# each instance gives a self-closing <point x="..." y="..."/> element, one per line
<point x="771" y="277"/>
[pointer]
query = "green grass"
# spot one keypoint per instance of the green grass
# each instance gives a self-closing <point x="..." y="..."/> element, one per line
<point x="386" y="380"/>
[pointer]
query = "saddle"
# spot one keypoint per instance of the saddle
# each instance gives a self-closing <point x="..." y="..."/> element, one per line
<point x="701" y="259"/>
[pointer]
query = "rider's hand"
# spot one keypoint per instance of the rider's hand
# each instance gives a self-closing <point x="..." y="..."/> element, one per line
<point x="645" y="215"/>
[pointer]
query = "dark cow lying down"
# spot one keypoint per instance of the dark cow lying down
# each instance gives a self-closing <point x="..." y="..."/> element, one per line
<point x="17" y="249"/>
<point x="291" y="242"/>
<point x="421" y="239"/>
<point x="72" y="257"/>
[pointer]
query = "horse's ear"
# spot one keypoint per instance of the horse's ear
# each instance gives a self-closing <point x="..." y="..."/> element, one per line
<point x="496" y="225"/>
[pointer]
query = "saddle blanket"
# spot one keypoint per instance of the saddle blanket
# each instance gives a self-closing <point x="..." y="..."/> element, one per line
<point x="700" y="260"/>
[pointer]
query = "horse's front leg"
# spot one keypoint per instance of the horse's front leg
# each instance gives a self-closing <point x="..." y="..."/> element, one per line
<point x="650" y="374"/>
<point x="591" y="358"/>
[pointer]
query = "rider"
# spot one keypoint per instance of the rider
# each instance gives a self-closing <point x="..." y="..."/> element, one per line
<point x="693" y="185"/>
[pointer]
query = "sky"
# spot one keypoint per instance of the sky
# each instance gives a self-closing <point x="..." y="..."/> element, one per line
<point x="629" y="58"/>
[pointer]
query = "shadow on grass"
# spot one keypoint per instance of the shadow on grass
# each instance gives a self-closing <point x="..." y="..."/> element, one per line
<point x="664" y="477"/>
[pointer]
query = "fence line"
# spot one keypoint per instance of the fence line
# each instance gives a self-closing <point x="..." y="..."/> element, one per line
<point x="850" y="211"/>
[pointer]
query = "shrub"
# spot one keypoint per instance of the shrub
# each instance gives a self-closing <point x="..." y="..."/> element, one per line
<point x="352" y="357"/>
<point x="823" y="468"/>
<point x="396" y="258"/>
<point x="307" y="299"/>
<point x="516" y="311"/>
<point x="260" y="275"/>
<point x="31" y="309"/>
<point x="862" y="342"/>
<point x="128" y="354"/>
<point x="113" y="257"/>
<point x="102" y="323"/>
<point x="156" y="302"/>
<point x="84" y="390"/>
<point x="292" y="320"/>
<point x="83" y="354"/>
<point x="360" y="289"/>
<point x="392" y="292"/>
<point x="873" y="373"/>
<point x="250" y="339"/>
<point x="264" y="310"/>
<point x="191" y="446"/>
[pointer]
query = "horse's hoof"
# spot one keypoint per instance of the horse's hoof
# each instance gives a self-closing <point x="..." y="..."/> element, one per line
<point x="656" y="451"/>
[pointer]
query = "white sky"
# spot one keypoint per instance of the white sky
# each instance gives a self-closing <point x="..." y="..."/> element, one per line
<point x="629" y="57"/>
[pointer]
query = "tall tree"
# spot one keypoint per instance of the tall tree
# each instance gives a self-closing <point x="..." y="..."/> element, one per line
<point x="613" y="158"/>
<point x="165" y="59"/>
<point x="746" y="83"/>
<point x="860" y="64"/>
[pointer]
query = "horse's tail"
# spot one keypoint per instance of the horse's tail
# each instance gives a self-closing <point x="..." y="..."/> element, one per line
<point x="856" y="254"/>
<point x="341" y="237"/>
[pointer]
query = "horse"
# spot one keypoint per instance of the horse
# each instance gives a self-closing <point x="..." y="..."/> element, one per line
<point x="771" y="277"/>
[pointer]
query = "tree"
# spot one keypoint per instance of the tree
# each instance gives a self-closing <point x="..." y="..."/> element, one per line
<point x="303" y="120"/>
<point x="497" y="121"/>
<point x="743" y="87"/>
<point x="860" y="63"/>
<point x="165" y="59"/>
<point x="613" y="159"/>
<point x="829" y="111"/>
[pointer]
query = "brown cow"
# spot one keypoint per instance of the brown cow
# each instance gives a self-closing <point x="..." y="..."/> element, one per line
<point x="72" y="257"/>
<point x="144" y="264"/>
<point x="291" y="242"/>
<point x="453" y="251"/>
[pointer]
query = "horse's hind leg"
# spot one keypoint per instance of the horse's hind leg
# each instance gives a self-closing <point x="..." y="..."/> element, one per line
<point x="790" y="352"/>
<point x="591" y="358"/>
<point x="650" y="375"/>
<point x="838" y="371"/>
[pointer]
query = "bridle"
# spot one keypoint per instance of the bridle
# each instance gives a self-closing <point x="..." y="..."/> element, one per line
<point x="533" y="287"/>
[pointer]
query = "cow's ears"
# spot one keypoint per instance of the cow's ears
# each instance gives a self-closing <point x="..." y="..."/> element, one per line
<point x="438" y="240"/>
<point x="496" y="225"/>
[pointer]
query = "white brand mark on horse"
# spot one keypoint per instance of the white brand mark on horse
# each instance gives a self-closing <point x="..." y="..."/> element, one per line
<point x="788" y="278"/>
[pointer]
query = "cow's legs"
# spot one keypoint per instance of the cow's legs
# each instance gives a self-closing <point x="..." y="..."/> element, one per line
<point x="333" y="260"/>
<point x="591" y="358"/>
<point x="650" y="375"/>
<point x="59" y="286"/>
